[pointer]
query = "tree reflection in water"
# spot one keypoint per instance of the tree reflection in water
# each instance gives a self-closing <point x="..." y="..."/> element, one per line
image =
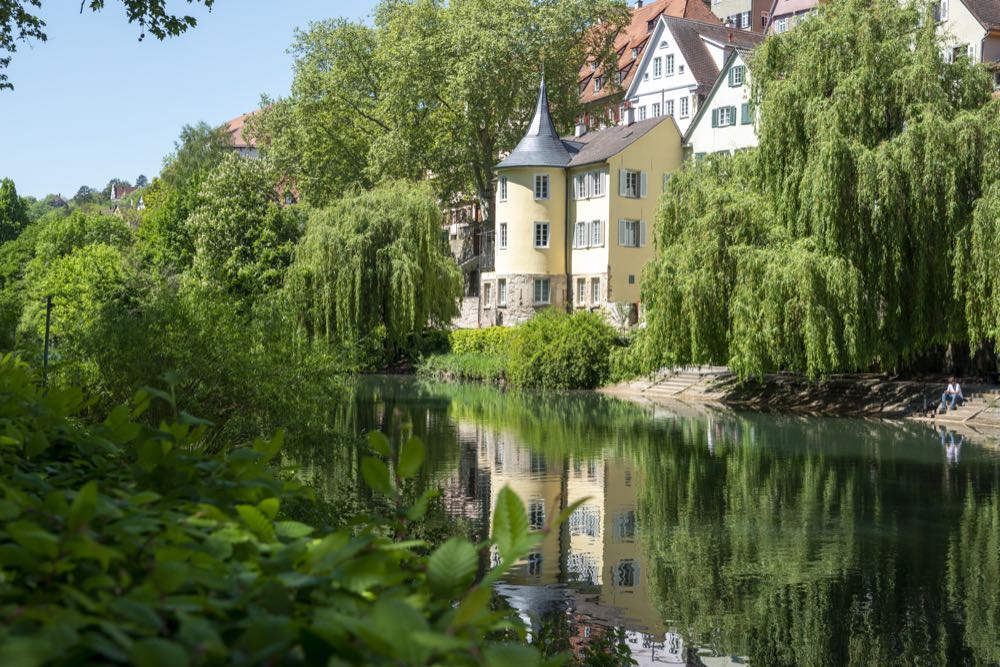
<point x="718" y="538"/>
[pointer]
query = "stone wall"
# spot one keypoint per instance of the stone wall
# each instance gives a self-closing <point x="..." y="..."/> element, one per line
<point x="468" y="316"/>
<point x="520" y="305"/>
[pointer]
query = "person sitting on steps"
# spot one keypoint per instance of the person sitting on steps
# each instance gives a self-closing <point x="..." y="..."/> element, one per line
<point x="951" y="395"/>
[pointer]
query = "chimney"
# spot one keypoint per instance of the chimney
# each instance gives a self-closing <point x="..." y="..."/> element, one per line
<point x="581" y="129"/>
<point x="638" y="4"/>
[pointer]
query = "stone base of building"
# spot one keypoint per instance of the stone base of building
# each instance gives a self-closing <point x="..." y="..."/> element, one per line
<point x="519" y="305"/>
<point x="468" y="315"/>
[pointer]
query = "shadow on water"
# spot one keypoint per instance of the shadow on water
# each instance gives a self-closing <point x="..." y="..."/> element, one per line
<point x="714" y="538"/>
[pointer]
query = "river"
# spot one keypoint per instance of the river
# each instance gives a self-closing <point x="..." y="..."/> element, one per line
<point x="713" y="538"/>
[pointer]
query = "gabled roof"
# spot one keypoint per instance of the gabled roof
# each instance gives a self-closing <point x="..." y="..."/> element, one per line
<point x="605" y="144"/>
<point x="987" y="12"/>
<point x="235" y="129"/>
<point x="635" y="36"/>
<point x="737" y="53"/>
<point x="690" y="38"/>
<point x="540" y="146"/>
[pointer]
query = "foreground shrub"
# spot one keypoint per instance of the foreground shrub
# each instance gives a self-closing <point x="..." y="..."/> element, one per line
<point x="472" y="366"/>
<point x="491" y="340"/>
<point x="558" y="351"/>
<point x="126" y="544"/>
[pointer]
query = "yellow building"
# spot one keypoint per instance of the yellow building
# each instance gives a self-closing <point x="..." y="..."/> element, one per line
<point x="574" y="216"/>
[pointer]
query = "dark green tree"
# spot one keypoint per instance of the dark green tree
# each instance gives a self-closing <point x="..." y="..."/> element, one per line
<point x="141" y="181"/>
<point x="13" y="211"/>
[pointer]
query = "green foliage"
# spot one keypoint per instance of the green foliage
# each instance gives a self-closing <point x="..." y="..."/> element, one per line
<point x="491" y="340"/>
<point x="417" y="91"/>
<point x="559" y="351"/>
<point x="127" y="544"/>
<point x="13" y="211"/>
<point x="474" y="366"/>
<point x="844" y="241"/>
<point x="61" y="236"/>
<point x="243" y="237"/>
<point x="371" y="270"/>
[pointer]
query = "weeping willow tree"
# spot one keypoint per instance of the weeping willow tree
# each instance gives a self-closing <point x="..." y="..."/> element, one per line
<point x="861" y="232"/>
<point x="371" y="270"/>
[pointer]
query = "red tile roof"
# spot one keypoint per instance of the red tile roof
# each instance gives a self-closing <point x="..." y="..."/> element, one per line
<point x="235" y="128"/>
<point x="635" y="36"/>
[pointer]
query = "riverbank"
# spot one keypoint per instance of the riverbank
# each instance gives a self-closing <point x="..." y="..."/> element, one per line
<point x="858" y="395"/>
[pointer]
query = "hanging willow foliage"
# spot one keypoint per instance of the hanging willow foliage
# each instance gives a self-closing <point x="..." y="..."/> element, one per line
<point x="847" y="240"/>
<point x="373" y="265"/>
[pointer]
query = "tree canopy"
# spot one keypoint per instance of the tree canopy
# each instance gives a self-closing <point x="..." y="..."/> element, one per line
<point x="19" y="22"/>
<point x="843" y="242"/>
<point x="431" y="87"/>
<point x="372" y="269"/>
<point x="13" y="211"/>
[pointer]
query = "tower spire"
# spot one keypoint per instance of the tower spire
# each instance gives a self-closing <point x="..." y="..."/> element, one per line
<point x="540" y="146"/>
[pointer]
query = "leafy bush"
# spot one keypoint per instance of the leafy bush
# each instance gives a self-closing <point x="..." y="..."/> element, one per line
<point x="558" y="351"/>
<point x="126" y="544"/>
<point x="491" y="340"/>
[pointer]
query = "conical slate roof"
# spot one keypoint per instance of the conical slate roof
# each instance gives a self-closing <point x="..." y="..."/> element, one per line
<point x="541" y="145"/>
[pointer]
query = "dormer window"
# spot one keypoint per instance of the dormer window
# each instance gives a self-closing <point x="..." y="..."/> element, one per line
<point x="649" y="25"/>
<point x="635" y="52"/>
<point x="598" y="84"/>
<point x="593" y="66"/>
<point x="663" y="44"/>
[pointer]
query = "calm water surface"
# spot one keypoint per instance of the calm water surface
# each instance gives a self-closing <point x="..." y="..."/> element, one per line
<point x="717" y="538"/>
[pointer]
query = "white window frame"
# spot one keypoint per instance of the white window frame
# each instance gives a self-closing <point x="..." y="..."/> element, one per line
<point x="668" y="64"/>
<point x="580" y="187"/>
<point x="488" y="295"/>
<point x="543" y="181"/>
<point x="632" y="184"/>
<point x="596" y="179"/>
<point x="642" y="112"/>
<point x="781" y="25"/>
<point x="581" y="291"/>
<point x="542" y="229"/>
<point x="598" y="84"/>
<point x="727" y="116"/>
<point x="631" y="233"/>
<point x="580" y="234"/>
<point x="502" y="235"/>
<point x="502" y="292"/>
<point x="943" y="10"/>
<point x="685" y="107"/>
<point x="596" y="233"/>
<point x="546" y="293"/>
<point x="739" y="75"/>
<point x="656" y="109"/>
<point x="745" y="20"/>
<point x="657" y="68"/>
<point x="502" y="189"/>
<point x="595" y="291"/>
<point x="668" y="110"/>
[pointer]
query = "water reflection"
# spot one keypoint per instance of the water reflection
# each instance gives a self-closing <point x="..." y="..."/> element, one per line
<point x="712" y="538"/>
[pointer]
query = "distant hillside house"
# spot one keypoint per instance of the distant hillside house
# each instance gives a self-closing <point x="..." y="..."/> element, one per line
<point x="725" y="123"/>
<point x="240" y="143"/>
<point x="680" y="66"/>
<point x="573" y="217"/>
<point x="121" y="190"/>
<point x="603" y="102"/>
<point x="971" y="29"/>
<point x="784" y="14"/>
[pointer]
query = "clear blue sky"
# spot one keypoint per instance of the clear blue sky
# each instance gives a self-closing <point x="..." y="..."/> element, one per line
<point x="93" y="103"/>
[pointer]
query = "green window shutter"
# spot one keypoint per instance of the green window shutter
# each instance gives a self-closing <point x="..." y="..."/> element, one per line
<point x="730" y="76"/>
<point x="732" y="115"/>
<point x="745" y="113"/>
<point x="715" y="118"/>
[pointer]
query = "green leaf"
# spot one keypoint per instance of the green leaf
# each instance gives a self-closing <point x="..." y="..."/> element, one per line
<point x="33" y="538"/>
<point x="511" y="655"/>
<point x="84" y="505"/>
<point x="376" y="475"/>
<point x="170" y="576"/>
<point x="411" y="457"/>
<point x="258" y="524"/>
<point x="566" y="513"/>
<point x="293" y="530"/>
<point x="510" y="525"/>
<point x="158" y="653"/>
<point x="379" y="443"/>
<point x="452" y="566"/>
<point x="419" y="507"/>
<point x="473" y="606"/>
<point x="269" y="507"/>
<point x="270" y="448"/>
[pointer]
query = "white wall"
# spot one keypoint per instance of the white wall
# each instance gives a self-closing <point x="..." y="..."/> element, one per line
<point x="647" y="89"/>
<point x="962" y="27"/>
<point x="707" y="139"/>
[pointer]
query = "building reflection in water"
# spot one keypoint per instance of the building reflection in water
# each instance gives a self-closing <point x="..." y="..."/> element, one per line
<point x="592" y="573"/>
